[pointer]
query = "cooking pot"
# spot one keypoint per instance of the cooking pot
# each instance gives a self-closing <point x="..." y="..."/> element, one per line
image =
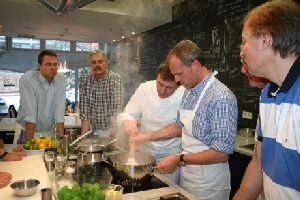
<point x="94" y="146"/>
<point x="131" y="175"/>
<point x="246" y="132"/>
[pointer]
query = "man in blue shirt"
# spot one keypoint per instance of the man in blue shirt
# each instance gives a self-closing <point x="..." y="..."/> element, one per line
<point x="42" y="98"/>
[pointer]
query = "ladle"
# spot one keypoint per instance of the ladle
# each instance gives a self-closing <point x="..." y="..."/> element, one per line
<point x="131" y="159"/>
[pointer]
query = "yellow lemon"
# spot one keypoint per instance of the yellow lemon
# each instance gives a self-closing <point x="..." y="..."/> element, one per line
<point x="42" y="146"/>
<point x="45" y="141"/>
<point x="38" y="140"/>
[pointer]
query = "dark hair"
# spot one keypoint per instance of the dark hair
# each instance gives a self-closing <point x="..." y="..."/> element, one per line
<point x="280" y="19"/>
<point x="45" y="53"/>
<point x="187" y="51"/>
<point x="165" y="72"/>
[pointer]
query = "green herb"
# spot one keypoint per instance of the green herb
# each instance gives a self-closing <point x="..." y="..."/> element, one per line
<point x="86" y="192"/>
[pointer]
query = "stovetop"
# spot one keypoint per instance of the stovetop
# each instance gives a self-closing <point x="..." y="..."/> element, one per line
<point x="154" y="183"/>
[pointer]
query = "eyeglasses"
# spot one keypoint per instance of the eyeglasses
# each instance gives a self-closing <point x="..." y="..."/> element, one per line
<point x="50" y="64"/>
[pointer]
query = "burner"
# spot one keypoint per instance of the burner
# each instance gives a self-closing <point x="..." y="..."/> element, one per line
<point x="154" y="183"/>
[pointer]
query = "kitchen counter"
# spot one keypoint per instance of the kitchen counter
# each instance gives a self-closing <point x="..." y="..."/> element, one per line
<point x="9" y="124"/>
<point x="34" y="167"/>
<point x="31" y="167"/>
<point x="240" y="141"/>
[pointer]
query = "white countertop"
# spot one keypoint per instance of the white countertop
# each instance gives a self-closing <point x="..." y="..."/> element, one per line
<point x="70" y="122"/>
<point x="34" y="167"/>
<point x="31" y="167"/>
<point x="239" y="141"/>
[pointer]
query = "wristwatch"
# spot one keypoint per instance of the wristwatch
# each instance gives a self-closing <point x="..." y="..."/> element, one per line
<point x="3" y="155"/>
<point x="182" y="162"/>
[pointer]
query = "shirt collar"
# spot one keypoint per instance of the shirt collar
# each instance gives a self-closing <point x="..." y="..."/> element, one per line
<point x="43" y="80"/>
<point x="198" y="88"/>
<point x="289" y="80"/>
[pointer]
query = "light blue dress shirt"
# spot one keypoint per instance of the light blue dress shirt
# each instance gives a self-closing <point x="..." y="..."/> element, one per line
<point x="40" y="102"/>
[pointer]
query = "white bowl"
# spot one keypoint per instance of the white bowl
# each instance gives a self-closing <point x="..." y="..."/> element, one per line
<point x="25" y="188"/>
<point x="34" y="152"/>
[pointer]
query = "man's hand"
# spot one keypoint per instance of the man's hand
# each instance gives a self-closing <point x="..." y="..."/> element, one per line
<point x="139" y="139"/>
<point x="168" y="164"/>
<point x="18" y="148"/>
<point x="130" y="127"/>
<point x="14" y="156"/>
<point x="4" y="179"/>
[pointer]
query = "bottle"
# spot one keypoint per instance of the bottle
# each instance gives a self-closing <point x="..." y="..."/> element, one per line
<point x="55" y="141"/>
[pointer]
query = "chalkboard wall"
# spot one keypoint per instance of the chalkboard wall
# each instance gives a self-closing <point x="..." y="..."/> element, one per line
<point x="215" y="26"/>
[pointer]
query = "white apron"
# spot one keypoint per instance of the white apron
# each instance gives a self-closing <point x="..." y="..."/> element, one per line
<point x="207" y="182"/>
<point x="19" y="137"/>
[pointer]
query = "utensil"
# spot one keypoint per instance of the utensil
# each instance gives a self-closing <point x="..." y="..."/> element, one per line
<point x="93" y="147"/>
<point x="25" y="187"/>
<point x="46" y="194"/>
<point x="131" y="160"/>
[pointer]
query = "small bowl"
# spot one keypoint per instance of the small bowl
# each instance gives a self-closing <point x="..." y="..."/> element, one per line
<point x="25" y="188"/>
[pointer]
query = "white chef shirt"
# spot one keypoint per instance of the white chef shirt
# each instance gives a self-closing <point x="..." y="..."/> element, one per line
<point x="154" y="111"/>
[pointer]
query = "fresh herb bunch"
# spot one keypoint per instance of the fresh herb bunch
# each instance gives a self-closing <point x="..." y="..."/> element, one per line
<point x="86" y="192"/>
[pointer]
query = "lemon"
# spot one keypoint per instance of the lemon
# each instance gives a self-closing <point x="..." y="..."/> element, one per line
<point x="38" y="140"/>
<point x="42" y="145"/>
<point x="45" y="141"/>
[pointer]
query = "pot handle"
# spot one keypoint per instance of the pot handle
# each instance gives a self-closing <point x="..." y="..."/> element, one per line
<point x="153" y="167"/>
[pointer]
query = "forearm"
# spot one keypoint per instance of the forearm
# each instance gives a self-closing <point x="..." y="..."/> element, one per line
<point x="61" y="129"/>
<point x="251" y="185"/>
<point x="206" y="157"/>
<point x="85" y="126"/>
<point x="29" y="128"/>
<point x="165" y="133"/>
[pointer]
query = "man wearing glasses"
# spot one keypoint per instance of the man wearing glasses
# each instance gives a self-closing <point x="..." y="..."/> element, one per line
<point x="42" y="99"/>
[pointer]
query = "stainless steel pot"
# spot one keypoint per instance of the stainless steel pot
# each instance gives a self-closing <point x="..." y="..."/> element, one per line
<point x="94" y="146"/>
<point x="131" y="175"/>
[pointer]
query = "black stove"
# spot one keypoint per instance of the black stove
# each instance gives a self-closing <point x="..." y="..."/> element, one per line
<point x="154" y="183"/>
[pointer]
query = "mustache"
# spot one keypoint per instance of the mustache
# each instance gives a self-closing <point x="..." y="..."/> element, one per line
<point x="98" y="67"/>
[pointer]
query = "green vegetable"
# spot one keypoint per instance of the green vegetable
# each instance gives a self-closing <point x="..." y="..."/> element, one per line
<point x="86" y="192"/>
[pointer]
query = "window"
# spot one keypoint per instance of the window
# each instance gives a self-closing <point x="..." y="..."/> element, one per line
<point x="80" y="46"/>
<point x="25" y="43"/>
<point x="58" y="45"/>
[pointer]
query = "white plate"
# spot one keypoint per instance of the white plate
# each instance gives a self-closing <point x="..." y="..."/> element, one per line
<point x="34" y="152"/>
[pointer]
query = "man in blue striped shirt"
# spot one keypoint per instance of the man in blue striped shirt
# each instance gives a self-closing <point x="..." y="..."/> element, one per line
<point x="206" y="121"/>
<point x="270" y="48"/>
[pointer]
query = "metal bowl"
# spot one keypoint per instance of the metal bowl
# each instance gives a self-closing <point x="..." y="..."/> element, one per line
<point x="25" y="187"/>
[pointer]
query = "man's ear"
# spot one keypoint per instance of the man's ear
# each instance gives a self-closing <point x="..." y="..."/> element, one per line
<point x="267" y="41"/>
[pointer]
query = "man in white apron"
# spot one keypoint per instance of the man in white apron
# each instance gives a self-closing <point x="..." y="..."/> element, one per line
<point x="42" y="99"/>
<point x="207" y="120"/>
<point x="156" y="104"/>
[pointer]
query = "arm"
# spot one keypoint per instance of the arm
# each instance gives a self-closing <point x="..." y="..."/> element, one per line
<point x="28" y="106"/>
<point x="251" y="184"/>
<point x="60" y="105"/>
<point x="126" y="120"/>
<point x="29" y="128"/>
<point x="83" y="106"/>
<point x="85" y="126"/>
<point x="165" y="133"/>
<point x="61" y="129"/>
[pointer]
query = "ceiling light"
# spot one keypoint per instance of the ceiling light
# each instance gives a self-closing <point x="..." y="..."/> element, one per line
<point x="64" y="7"/>
<point x="114" y="40"/>
<point x="63" y="68"/>
<point x="133" y="33"/>
<point x="122" y="36"/>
